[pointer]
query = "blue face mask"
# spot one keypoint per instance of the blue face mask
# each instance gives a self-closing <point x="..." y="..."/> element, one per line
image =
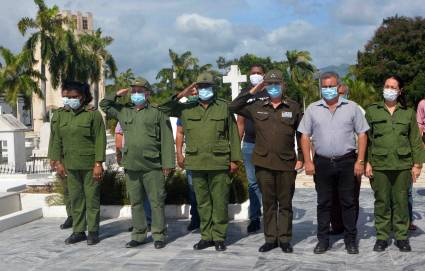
<point x="65" y="101"/>
<point x="74" y="103"/>
<point x="138" y="98"/>
<point x="329" y="93"/>
<point x="205" y="93"/>
<point x="274" y="91"/>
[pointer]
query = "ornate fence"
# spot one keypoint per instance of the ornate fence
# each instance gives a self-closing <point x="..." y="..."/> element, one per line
<point x="34" y="165"/>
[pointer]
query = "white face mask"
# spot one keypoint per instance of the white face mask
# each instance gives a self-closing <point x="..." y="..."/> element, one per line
<point x="390" y="94"/>
<point x="255" y="79"/>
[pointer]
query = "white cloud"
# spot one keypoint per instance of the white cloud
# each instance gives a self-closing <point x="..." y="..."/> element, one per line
<point x="357" y="12"/>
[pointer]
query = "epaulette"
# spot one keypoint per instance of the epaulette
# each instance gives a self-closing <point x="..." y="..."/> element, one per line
<point x="372" y="104"/>
<point x="90" y="108"/>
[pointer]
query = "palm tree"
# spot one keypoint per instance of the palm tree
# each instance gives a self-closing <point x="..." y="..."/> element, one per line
<point x="184" y="70"/>
<point x="300" y="69"/>
<point x="17" y="76"/>
<point x="47" y="28"/>
<point x="360" y="92"/>
<point x="100" y="61"/>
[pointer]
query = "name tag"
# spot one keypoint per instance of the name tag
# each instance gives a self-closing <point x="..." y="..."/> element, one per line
<point x="264" y="113"/>
<point x="287" y="115"/>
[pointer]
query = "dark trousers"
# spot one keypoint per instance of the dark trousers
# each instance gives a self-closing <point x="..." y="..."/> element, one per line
<point x="336" y="211"/>
<point x="330" y="175"/>
<point x="277" y="188"/>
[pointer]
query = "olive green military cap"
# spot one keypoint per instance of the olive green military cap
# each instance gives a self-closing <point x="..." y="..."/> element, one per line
<point x="205" y="78"/>
<point x="140" y="82"/>
<point x="273" y="76"/>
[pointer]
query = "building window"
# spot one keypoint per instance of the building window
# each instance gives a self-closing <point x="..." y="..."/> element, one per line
<point x="85" y="24"/>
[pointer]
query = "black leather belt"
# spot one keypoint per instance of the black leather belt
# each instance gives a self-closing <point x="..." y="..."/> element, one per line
<point x="346" y="156"/>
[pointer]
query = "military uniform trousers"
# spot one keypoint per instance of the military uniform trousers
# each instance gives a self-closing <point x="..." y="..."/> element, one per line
<point x="66" y="199"/>
<point x="84" y="194"/>
<point x="277" y="188"/>
<point x="391" y="203"/>
<point x="151" y="184"/>
<point x="212" y="189"/>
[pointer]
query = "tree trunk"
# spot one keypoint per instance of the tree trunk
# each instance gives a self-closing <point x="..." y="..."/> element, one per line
<point x="96" y="95"/>
<point x="43" y="93"/>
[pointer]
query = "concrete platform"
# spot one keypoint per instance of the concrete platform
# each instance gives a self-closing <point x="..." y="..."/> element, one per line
<point x="9" y="203"/>
<point x="39" y="246"/>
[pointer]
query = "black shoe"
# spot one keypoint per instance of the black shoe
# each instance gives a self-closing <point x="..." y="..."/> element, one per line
<point x="286" y="247"/>
<point x="130" y="229"/>
<point x="267" y="247"/>
<point x="403" y="245"/>
<point x="220" y="245"/>
<point x="253" y="226"/>
<point x="93" y="238"/>
<point x="380" y="245"/>
<point x="159" y="244"/>
<point x="133" y="243"/>
<point x="352" y="247"/>
<point x="192" y="226"/>
<point x="203" y="244"/>
<point x="321" y="247"/>
<point x="76" y="237"/>
<point x="67" y="224"/>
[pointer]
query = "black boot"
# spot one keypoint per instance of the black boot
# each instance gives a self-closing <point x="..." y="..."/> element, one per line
<point x="352" y="247"/>
<point x="321" y="247"/>
<point x="253" y="226"/>
<point x="286" y="247"/>
<point x="76" y="237"/>
<point x="67" y="224"/>
<point x="93" y="238"/>
<point x="267" y="247"/>
<point x="203" y="244"/>
<point x="380" y="245"/>
<point x="220" y="245"/>
<point x="403" y="245"/>
<point x="133" y="244"/>
<point x="159" y="244"/>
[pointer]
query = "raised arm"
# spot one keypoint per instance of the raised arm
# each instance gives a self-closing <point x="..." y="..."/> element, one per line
<point x="109" y="104"/>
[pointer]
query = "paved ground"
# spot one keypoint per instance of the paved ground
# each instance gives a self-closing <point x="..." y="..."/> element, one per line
<point x="39" y="246"/>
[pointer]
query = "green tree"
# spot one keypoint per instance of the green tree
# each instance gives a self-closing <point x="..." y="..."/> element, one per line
<point x="17" y="76"/>
<point x="99" y="61"/>
<point x="45" y="29"/>
<point x="396" y="48"/>
<point x="360" y="92"/>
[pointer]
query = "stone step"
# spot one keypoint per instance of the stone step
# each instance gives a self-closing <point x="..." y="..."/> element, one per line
<point x="9" y="203"/>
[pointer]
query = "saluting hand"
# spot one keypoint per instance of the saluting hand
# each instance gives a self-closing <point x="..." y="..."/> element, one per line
<point x="122" y="92"/>
<point x="257" y="88"/>
<point x="190" y="90"/>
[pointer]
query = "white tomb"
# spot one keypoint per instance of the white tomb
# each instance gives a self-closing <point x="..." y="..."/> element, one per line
<point x="12" y="131"/>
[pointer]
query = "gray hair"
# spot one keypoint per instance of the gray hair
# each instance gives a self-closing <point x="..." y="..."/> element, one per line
<point x="330" y="74"/>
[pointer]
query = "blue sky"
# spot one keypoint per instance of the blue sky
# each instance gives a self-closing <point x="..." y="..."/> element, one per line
<point x="332" y="30"/>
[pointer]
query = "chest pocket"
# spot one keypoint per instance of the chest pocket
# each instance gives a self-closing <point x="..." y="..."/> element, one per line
<point x="402" y="126"/>
<point x="193" y="122"/>
<point x="219" y="120"/>
<point x="378" y="126"/>
<point x="126" y="123"/>
<point x="83" y="129"/>
<point x="287" y="118"/>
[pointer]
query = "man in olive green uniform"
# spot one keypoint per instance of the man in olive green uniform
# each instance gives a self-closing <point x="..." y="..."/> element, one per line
<point x="395" y="152"/>
<point x="79" y="143"/>
<point x="68" y="222"/>
<point x="276" y="119"/>
<point x="148" y="157"/>
<point x="212" y="147"/>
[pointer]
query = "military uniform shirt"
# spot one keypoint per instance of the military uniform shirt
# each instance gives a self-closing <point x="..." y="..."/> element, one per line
<point x="275" y="130"/>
